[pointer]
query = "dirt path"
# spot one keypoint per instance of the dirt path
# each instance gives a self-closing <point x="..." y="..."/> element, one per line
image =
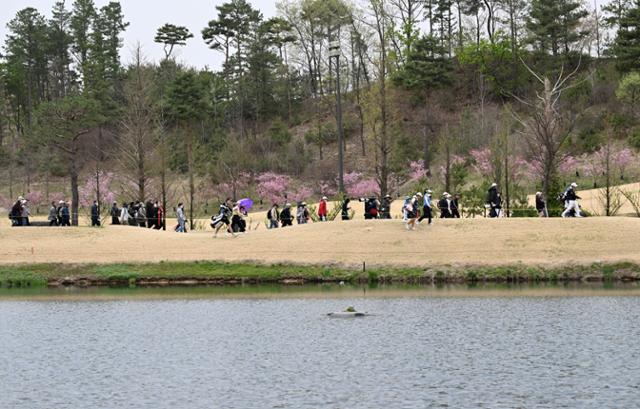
<point x="379" y="243"/>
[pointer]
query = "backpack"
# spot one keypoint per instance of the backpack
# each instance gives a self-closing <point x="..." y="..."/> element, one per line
<point x="269" y="216"/>
<point x="562" y="197"/>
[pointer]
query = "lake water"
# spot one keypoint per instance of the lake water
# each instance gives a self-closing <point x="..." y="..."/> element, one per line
<point x="555" y="347"/>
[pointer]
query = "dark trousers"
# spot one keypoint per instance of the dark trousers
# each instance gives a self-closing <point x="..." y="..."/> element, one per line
<point x="53" y="222"/>
<point x="115" y="220"/>
<point x="95" y="221"/>
<point x="426" y="214"/>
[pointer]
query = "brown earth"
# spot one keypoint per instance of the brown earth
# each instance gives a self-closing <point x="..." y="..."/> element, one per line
<point x="483" y="242"/>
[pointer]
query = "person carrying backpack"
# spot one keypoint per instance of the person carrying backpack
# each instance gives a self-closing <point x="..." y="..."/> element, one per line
<point x="571" y="201"/>
<point x="273" y="216"/>
<point x="541" y="205"/>
<point x="285" y="216"/>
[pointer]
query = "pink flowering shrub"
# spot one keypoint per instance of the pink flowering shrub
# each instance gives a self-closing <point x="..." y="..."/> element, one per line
<point x="272" y="187"/>
<point x="417" y="171"/>
<point x="88" y="192"/>
<point x="301" y="194"/>
<point x="35" y="197"/>
<point x="482" y="163"/>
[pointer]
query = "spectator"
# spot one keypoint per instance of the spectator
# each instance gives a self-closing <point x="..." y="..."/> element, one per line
<point x="345" y="209"/>
<point x="115" y="214"/>
<point x="181" y="227"/>
<point x="322" y="209"/>
<point x="124" y="214"/>
<point x="274" y="217"/>
<point x="53" y="215"/>
<point x="426" y="207"/>
<point x="455" y="206"/>
<point x="445" y="206"/>
<point x="95" y="214"/>
<point x="66" y="215"/>
<point x="385" y="207"/>
<point x="541" y="205"/>
<point x="286" y="217"/>
<point x="494" y="200"/>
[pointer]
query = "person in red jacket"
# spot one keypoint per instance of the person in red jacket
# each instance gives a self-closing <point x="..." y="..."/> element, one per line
<point x="322" y="209"/>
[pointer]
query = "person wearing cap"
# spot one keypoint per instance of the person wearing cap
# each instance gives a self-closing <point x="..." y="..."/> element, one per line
<point x="53" y="215"/>
<point x="385" y="207"/>
<point x="445" y="206"/>
<point x="426" y="207"/>
<point x="541" y="205"/>
<point x="322" y="209"/>
<point x="286" y="218"/>
<point x="370" y="208"/>
<point x="571" y="201"/>
<point x="302" y="214"/>
<point x="59" y="212"/>
<point x="273" y="216"/>
<point x="115" y="213"/>
<point x="24" y="215"/>
<point x="95" y="214"/>
<point x="410" y="207"/>
<point x="494" y="200"/>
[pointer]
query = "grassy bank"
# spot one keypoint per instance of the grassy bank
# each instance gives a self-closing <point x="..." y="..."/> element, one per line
<point x="218" y="273"/>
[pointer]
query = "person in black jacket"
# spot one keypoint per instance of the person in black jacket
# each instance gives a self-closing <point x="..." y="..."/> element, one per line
<point x="494" y="200"/>
<point x="571" y="201"/>
<point x="345" y="209"/>
<point x="385" y="207"/>
<point x="541" y="205"/>
<point x="95" y="214"/>
<point x="286" y="219"/>
<point x="455" y="206"/>
<point x="443" y="205"/>
<point x="115" y="214"/>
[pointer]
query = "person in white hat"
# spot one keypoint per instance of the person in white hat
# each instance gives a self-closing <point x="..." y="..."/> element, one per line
<point x="494" y="200"/>
<point x="541" y="205"/>
<point x="322" y="209"/>
<point x="571" y="201"/>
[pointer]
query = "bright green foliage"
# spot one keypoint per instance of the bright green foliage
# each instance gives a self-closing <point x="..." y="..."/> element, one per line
<point x="185" y="99"/>
<point x="494" y="61"/>
<point x="171" y="35"/>
<point x="627" y="44"/>
<point x="629" y="89"/>
<point x="555" y="25"/>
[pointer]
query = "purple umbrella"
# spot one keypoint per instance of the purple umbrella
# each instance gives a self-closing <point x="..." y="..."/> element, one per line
<point x="246" y="203"/>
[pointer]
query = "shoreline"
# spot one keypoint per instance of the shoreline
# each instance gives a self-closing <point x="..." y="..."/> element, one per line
<point x="211" y="273"/>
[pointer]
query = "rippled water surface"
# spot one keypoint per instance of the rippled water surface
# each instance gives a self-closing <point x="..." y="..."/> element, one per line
<point x="415" y="352"/>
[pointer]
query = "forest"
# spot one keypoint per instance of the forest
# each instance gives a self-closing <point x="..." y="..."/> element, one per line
<point x="329" y="97"/>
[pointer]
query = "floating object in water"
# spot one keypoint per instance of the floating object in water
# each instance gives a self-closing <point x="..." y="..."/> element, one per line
<point x="348" y="313"/>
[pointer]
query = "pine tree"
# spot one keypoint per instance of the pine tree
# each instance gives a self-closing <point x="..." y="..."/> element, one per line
<point x="554" y="25"/>
<point x="627" y="43"/>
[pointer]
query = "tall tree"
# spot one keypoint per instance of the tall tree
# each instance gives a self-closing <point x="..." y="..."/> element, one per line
<point x="61" y="125"/>
<point x="83" y="14"/>
<point x="627" y="44"/>
<point x="171" y="36"/>
<point x="59" y="45"/>
<point x="186" y="106"/>
<point x="555" y="25"/>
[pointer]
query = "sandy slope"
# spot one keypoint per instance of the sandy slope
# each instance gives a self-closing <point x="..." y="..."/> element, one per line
<point x="467" y="241"/>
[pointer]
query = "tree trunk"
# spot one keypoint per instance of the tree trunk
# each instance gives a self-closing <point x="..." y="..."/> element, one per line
<point x="75" y="197"/>
<point x="189" y="146"/>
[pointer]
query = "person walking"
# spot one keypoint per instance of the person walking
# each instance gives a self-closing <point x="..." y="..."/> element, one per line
<point x="273" y="216"/>
<point x="410" y="213"/>
<point x="159" y="216"/>
<point x="444" y="205"/>
<point x="426" y="207"/>
<point x="115" y="214"/>
<point x="124" y="214"/>
<point x="571" y="201"/>
<point x="95" y="214"/>
<point x="455" y="206"/>
<point x="494" y="200"/>
<point x="53" y="215"/>
<point x="541" y="205"/>
<point x="59" y="212"/>
<point x="345" y="209"/>
<point x="141" y="216"/>
<point x="66" y="215"/>
<point x="182" y="219"/>
<point x="286" y="218"/>
<point x="322" y="209"/>
<point x="223" y="218"/>
<point x="149" y="213"/>
<point x="385" y="207"/>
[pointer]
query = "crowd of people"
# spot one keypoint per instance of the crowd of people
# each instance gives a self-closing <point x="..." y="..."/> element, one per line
<point x="138" y="213"/>
<point x="231" y="215"/>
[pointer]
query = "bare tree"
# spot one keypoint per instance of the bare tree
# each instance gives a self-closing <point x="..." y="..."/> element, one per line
<point x="136" y="141"/>
<point x="549" y="123"/>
